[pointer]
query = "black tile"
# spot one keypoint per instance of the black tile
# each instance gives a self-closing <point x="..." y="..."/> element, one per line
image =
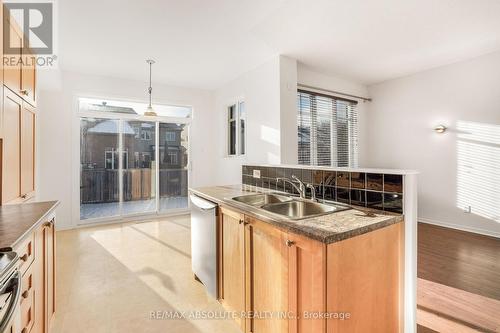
<point x="343" y="179"/>
<point x="245" y="170"/>
<point x="280" y="172"/>
<point x="271" y="172"/>
<point x="358" y="197"/>
<point x="358" y="180"/>
<point x="329" y="193"/>
<point x="393" y="202"/>
<point x="263" y="171"/>
<point x="247" y="180"/>
<point x="393" y="183"/>
<point x="265" y="182"/>
<point x="374" y="200"/>
<point x="317" y="176"/>
<point x="375" y="181"/>
<point x="307" y="176"/>
<point x="343" y="195"/>
<point x="329" y="178"/>
<point x="319" y="192"/>
<point x="257" y="182"/>
<point x="280" y="186"/>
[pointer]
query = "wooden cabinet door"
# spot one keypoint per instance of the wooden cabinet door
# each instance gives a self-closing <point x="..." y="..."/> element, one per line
<point x="232" y="262"/>
<point x="11" y="161"/>
<point x="28" y="77"/>
<point x="27" y="151"/>
<point x="12" y="53"/>
<point x="49" y="273"/>
<point x="306" y="283"/>
<point x="266" y="277"/>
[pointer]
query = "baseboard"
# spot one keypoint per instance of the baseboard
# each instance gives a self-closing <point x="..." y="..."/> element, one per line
<point x="460" y="227"/>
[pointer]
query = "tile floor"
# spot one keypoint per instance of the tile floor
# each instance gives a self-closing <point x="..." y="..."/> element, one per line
<point x="110" y="278"/>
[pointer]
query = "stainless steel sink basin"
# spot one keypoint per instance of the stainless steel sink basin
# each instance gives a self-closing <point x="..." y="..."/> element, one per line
<point x="297" y="210"/>
<point x="261" y="199"/>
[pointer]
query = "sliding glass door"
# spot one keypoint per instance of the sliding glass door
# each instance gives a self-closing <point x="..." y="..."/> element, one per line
<point x="173" y="163"/>
<point x="132" y="166"/>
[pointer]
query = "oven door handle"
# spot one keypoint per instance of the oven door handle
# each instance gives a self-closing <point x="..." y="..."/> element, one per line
<point x="13" y="302"/>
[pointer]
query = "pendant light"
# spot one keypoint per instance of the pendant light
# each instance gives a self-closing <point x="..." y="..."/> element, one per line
<point x="149" y="110"/>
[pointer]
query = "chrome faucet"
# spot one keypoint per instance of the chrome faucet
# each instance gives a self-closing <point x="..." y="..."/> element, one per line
<point x="301" y="188"/>
<point x="313" y="192"/>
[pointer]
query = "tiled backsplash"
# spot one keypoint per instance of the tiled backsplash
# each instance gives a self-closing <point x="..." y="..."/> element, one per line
<point x="374" y="190"/>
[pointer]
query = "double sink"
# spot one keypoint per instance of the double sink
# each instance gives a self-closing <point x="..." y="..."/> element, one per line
<point x="291" y="208"/>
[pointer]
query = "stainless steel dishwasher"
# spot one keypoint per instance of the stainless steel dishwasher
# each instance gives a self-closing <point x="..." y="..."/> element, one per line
<point x="204" y="242"/>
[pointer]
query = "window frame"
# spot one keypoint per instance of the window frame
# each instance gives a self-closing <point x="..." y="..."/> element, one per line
<point x="238" y="104"/>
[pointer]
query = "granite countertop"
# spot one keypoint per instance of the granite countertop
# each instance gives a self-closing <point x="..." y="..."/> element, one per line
<point x="326" y="228"/>
<point x="16" y="221"/>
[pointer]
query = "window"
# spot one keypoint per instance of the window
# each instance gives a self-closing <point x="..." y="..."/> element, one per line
<point x="236" y="116"/>
<point x="327" y="130"/>
<point x="170" y="137"/>
<point x="111" y="159"/>
<point x="172" y="158"/>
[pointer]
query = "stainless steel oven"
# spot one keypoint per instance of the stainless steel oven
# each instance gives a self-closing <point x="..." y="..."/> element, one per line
<point x="10" y="292"/>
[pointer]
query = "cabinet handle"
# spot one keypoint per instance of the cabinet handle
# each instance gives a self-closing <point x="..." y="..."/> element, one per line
<point x="289" y="243"/>
<point x="23" y="196"/>
<point x="25" y="294"/>
<point x="25" y="92"/>
<point x="47" y="224"/>
<point x="24" y="257"/>
<point x="241" y="221"/>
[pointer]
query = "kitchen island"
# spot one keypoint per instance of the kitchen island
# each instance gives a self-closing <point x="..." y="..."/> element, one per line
<point x="338" y="272"/>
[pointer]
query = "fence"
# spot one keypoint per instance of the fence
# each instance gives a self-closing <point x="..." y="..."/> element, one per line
<point x="102" y="185"/>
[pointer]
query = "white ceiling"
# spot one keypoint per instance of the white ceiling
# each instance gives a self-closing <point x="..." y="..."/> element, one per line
<point x="204" y="44"/>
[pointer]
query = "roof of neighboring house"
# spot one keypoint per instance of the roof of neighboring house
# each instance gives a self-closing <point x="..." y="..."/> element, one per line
<point x="111" y="127"/>
<point x="107" y="108"/>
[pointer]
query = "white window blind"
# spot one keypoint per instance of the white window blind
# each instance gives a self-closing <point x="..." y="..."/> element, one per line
<point x="327" y="130"/>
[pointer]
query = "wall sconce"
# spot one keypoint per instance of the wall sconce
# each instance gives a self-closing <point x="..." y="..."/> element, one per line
<point x="440" y="129"/>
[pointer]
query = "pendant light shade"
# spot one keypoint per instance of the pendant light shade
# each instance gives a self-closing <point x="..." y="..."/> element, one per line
<point x="149" y="110"/>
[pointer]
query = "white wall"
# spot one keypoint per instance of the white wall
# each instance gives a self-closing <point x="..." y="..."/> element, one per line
<point x="260" y="90"/>
<point x="309" y="77"/>
<point x="57" y="141"/>
<point x="288" y="111"/>
<point x="401" y="118"/>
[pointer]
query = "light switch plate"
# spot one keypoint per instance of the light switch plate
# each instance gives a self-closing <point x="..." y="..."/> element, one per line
<point x="256" y="174"/>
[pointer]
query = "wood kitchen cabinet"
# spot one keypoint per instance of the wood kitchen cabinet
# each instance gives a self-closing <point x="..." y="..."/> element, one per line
<point x="17" y="115"/>
<point x="20" y="70"/>
<point x="264" y="269"/>
<point x="266" y="256"/>
<point x="18" y="149"/>
<point x="12" y="71"/>
<point x="11" y="150"/>
<point x="36" y="252"/>
<point x="232" y="262"/>
<point x="307" y="287"/>
<point x="27" y="151"/>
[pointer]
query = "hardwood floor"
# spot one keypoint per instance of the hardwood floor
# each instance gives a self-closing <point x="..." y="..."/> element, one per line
<point x="459" y="281"/>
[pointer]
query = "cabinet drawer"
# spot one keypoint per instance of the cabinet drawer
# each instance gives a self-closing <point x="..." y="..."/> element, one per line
<point x="26" y="252"/>
<point x="27" y="301"/>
